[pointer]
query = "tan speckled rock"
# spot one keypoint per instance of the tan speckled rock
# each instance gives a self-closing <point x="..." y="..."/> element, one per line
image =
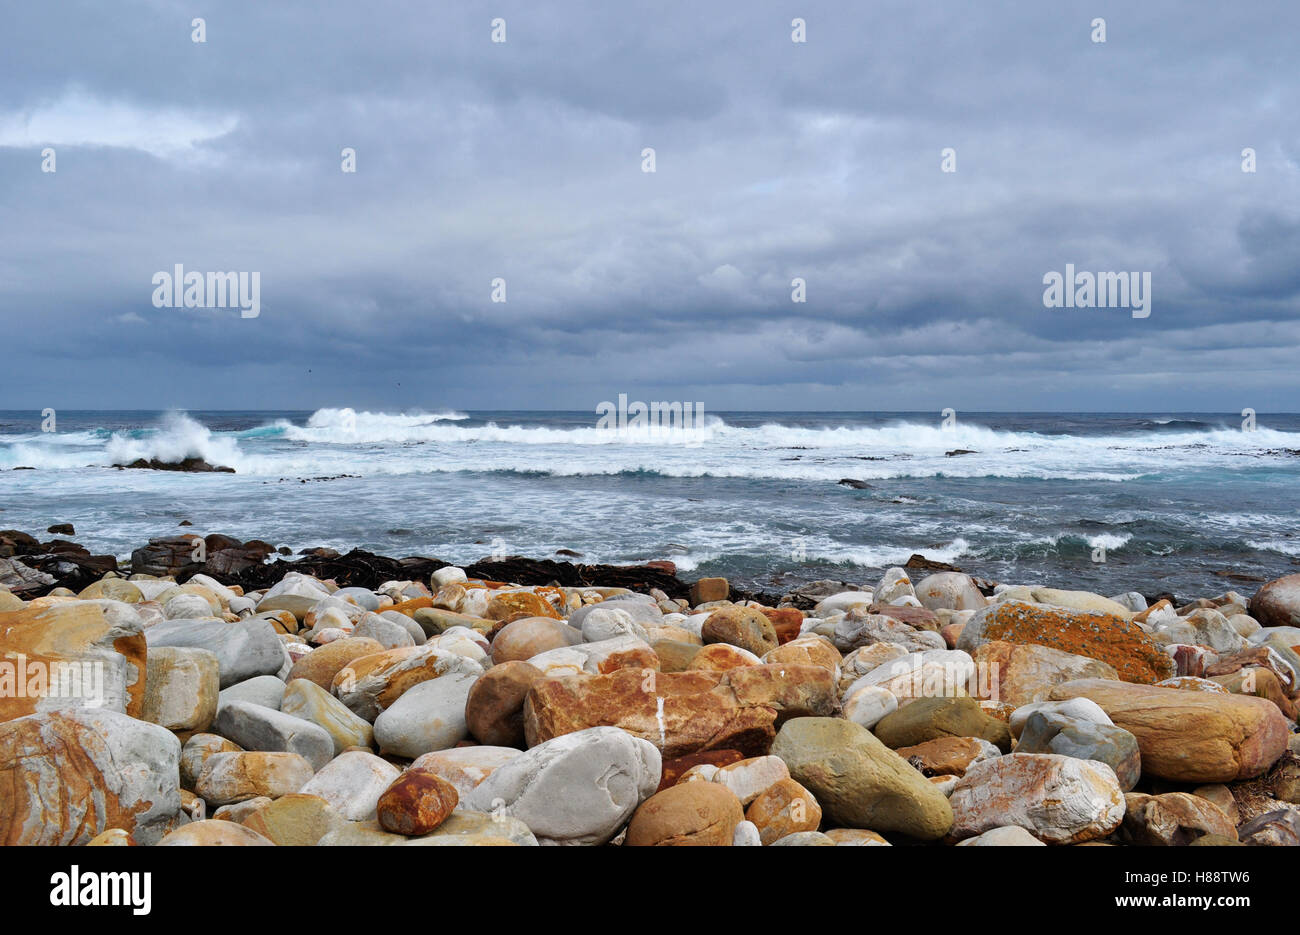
<point x="1185" y="736"/>
<point x="691" y="814"/>
<point x="213" y="833"/>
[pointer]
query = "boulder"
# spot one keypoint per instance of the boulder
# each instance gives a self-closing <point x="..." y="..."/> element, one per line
<point x="266" y="690"/>
<point x="352" y="783"/>
<point x="1057" y="799"/>
<point x="294" y="820"/>
<point x="255" y="727"/>
<point x="681" y="712"/>
<point x="869" y="705"/>
<point x="576" y="789"/>
<point x="1277" y="603"/>
<point x="750" y="777"/>
<point x="66" y="776"/>
<point x="928" y="718"/>
<point x="1005" y="836"/>
<point x="214" y="833"/>
<point x="1278" y="828"/>
<point x="1105" y="637"/>
<point x="1020" y="673"/>
<point x="431" y="715"/>
<point x="858" y="781"/>
<point x="783" y="808"/>
<point x="948" y="756"/>
<point x="1184" y="736"/>
<point x="1048" y="732"/>
<point x="235" y="777"/>
<point x="494" y="709"/>
<point x="181" y="688"/>
<point x="465" y="767"/>
<point x="323" y="664"/>
<point x="71" y="655"/>
<point x="949" y="590"/>
<point x="691" y="814"/>
<point x="306" y="700"/>
<point x="416" y="802"/>
<point x="461" y="829"/>
<point x="745" y="627"/>
<point x="371" y="685"/>
<point x="244" y="649"/>
<point x="196" y="751"/>
<point x="1173" y="819"/>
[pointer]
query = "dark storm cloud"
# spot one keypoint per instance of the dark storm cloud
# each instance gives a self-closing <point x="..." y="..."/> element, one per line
<point x="775" y="160"/>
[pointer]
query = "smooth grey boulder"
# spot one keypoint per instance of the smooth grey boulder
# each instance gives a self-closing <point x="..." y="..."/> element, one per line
<point x="244" y="649"/>
<point x="428" y="716"/>
<point x="580" y="788"/>
<point x="266" y="690"/>
<point x="388" y="634"/>
<point x="406" y="623"/>
<point x="352" y="783"/>
<point x="255" y="727"/>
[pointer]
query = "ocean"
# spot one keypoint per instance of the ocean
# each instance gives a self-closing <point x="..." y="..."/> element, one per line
<point x="1110" y="502"/>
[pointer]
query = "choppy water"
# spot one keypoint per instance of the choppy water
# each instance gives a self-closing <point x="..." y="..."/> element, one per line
<point x="1172" y="498"/>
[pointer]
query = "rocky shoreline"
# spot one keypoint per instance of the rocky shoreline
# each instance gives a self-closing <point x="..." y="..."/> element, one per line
<point x="214" y="692"/>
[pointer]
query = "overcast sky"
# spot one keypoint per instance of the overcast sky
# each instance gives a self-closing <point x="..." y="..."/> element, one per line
<point x="775" y="160"/>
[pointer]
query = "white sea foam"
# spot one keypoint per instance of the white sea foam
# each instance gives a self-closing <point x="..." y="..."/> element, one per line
<point x="1109" y="541"/>
<point x="340" y="440"/>
<point x="178" y="437"/>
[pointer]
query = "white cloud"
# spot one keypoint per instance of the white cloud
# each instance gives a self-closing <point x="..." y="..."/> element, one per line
<point x="78" y="118"/>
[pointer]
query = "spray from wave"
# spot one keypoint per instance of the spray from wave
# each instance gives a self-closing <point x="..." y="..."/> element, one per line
<point x="176" y="438"/>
